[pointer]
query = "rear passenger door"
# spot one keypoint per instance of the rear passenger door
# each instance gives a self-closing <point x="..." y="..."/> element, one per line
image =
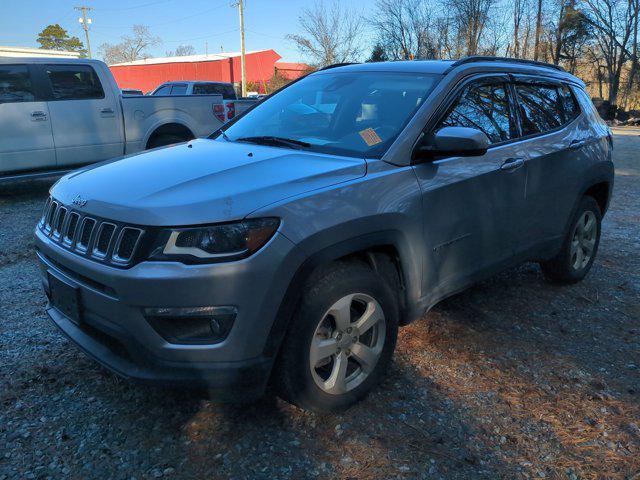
<point x="85" y="116"/>
<point x="473" y="205"/>
<point x="26" y="140"/>
<point x="548" y="114"/>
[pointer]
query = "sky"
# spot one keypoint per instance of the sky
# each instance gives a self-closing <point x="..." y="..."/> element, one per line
<point x="177" y="22"/>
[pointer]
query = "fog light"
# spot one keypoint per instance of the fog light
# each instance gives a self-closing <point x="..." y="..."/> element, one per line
<point x="192" y="325"/>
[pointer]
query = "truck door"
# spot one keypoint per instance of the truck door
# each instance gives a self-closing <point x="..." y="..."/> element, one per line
<point x="26" y="140"/>
<point x="85" y="115"/>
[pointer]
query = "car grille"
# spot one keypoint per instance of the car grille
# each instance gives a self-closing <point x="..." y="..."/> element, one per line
<point x="101" y="240"/>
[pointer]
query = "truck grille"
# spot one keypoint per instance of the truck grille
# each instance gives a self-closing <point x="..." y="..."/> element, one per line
<point x="99" y="239"/>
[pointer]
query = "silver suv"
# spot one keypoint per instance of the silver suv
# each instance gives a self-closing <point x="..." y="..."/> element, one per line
<point x="290" y="246"/>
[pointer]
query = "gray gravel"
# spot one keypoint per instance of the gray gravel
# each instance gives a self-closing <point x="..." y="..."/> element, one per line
<point x="514" y="378"/>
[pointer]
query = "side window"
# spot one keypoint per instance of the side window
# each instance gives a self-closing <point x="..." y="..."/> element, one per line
<point x="15" y="84"/>
<point x="485" y="107"/>
<point x="570" y="104"/>
<point x="540" y="108"/>
<point x="74" y="82"/>
<point x="163" y="90"/>
<point x="179" y="89"/>
<point x="226" y="91"/>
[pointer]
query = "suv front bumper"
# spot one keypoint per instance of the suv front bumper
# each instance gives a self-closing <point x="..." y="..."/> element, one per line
<point x="114" y="331"/>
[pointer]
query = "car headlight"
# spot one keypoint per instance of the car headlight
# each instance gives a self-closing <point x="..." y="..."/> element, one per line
<point x="215" y="243"/>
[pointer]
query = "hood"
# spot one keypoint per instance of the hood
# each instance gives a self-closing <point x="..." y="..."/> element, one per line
<point x="204" y="181"/>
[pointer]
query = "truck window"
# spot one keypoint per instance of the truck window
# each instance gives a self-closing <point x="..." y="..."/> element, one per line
<point x="227" y="91"/>
<point x="74" y="82"/>
<point x="163" y="90"/>
<point x="179" y="89"/>
<point x="15" y="84"/>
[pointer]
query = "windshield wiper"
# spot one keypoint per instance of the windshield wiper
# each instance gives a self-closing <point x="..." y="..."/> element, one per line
<point x="270" y="140"/>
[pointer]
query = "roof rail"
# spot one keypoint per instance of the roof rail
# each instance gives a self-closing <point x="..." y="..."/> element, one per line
<point x="483" y="58"/>
<point x="335" y="65"/>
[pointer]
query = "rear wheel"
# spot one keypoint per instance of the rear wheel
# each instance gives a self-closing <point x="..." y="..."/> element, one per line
<point x="340" y="341"/>
<point x="579" y="249"/>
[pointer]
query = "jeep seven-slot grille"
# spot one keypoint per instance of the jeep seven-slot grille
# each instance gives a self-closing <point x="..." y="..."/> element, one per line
<point x="101" y="240"/>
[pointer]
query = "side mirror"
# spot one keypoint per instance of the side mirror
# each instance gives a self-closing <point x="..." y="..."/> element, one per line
<point x="454" y="141"/>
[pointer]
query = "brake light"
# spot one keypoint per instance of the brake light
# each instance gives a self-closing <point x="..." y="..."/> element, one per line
<point x="231" y="110"/>
<point x="218" y="111"/>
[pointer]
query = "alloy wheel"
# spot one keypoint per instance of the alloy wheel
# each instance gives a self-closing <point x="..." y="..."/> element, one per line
<point x="583" y="240"/>
<point x="347" y="343"/>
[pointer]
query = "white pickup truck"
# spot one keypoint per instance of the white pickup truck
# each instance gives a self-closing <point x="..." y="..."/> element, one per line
<point x="231" y="104"/>
<point x="58" y="114"/>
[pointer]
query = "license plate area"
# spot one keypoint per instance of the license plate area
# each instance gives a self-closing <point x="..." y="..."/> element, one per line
<point x="65" y="297"/>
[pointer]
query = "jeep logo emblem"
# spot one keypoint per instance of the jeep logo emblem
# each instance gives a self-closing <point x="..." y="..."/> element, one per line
<point x="79" y="201"/>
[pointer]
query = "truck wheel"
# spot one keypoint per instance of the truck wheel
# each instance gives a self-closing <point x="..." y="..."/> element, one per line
<point x="580" y="246"/>
<point x="341" y="339"/>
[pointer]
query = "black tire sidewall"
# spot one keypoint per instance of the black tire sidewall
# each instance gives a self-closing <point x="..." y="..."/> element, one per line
<point x="560" y="268"/>
<point x="300" y="388"/>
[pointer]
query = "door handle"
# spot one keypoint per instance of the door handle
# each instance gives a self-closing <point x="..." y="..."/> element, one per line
<point x="512" y="163"/>
<point x="576" y="144"/>
<point x="38" y="116"/>
<point x="107" y="112"/>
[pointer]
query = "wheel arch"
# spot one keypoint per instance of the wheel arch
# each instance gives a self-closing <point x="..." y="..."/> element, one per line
<point x="382" y="251"/>
<point x="170" y="128"/>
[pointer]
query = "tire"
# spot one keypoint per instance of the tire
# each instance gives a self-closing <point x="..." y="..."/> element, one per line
<point x="166" y="139"/>
<point x="322" y="318"/>
<point x="579" y="248"/>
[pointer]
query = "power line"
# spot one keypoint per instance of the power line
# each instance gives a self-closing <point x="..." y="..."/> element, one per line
<point x="201" y="37"/>
<point x="133" y="7"/>
<point x="264" y="34"/>
<point x="120" y="27"/>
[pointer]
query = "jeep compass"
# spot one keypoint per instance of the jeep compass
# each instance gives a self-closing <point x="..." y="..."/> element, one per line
<point x="289" y="246"/>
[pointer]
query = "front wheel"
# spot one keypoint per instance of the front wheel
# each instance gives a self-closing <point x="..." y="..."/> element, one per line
<point x="340" y="341"/>
<point x="579" y="249"/>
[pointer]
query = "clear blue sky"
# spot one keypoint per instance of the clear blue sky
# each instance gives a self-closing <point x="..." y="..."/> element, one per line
<point x="177" y="22"/>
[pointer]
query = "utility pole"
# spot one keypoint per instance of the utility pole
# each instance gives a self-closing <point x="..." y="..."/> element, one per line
<point x="85" y="24"/>
<point x="240" y="6"/>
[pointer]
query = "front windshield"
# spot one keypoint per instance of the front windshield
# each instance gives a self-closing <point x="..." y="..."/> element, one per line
<point x="356" y="113"/>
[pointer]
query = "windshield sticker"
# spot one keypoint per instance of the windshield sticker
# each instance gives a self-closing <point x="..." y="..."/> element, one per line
<point x="370" y="136"/>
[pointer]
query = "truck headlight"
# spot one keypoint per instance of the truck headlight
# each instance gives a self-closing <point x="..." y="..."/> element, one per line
<point x="215" y="243"/>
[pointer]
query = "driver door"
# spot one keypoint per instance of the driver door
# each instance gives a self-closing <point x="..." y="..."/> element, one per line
<point x="473" y="205"/>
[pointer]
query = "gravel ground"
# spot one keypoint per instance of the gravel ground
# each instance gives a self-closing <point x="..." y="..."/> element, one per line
<point x="514" y="378"/>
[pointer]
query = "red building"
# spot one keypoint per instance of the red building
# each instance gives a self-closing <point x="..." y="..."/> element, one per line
<point x="147" y="74"/>
<point x="292" y="70"/>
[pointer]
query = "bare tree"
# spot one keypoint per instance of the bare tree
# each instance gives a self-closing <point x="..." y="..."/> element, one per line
<point x="331" y="34"/>
<point x="131" y="47"/>
<point x="613" y="22"/>
<point x="182" y="51"/>
<point x="471" y="18"/>
<point x="536" y="47"/>
<point x="405" y="29"/>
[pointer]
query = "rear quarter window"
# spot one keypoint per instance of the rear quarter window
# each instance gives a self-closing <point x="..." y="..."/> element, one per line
<point x="569" y="103"/>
